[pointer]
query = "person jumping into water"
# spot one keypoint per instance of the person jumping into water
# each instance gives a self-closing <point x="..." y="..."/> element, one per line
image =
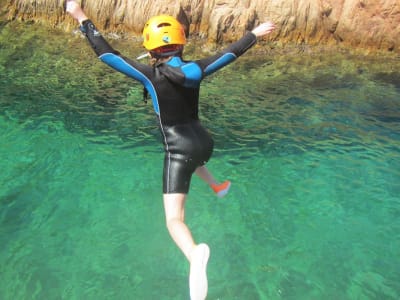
<point x="174" y="85"/>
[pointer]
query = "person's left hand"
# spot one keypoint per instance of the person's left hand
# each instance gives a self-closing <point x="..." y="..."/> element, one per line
<point x="264" y="29"/>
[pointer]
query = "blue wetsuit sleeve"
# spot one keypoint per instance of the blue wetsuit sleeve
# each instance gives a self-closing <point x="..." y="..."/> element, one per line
<point x="115" y="60"/>
<point x="214" y="63"/>
<point x="112" y="57"/>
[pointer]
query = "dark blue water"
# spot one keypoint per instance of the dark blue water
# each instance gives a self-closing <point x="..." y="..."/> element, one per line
<point x="310" y="142"/>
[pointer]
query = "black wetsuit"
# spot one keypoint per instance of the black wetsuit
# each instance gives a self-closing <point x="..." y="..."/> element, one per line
<point x="174" y="89"/>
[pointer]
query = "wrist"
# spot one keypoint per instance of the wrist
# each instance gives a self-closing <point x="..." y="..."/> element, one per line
<point x="82" y="20"/>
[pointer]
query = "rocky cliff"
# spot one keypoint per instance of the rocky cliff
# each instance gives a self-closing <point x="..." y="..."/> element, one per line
<point x="370" y="24"/>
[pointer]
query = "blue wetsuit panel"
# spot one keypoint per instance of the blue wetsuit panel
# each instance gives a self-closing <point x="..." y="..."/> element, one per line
<point x="193" y="75"/>
<point x="221" y="62"/>
<point x="192" y="72"/>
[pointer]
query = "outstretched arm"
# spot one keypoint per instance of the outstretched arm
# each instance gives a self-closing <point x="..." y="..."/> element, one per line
<point x="218" y="61"/>
<point x="108" y="55"/>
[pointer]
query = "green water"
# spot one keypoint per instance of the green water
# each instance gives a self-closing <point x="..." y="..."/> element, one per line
<point x="310" y="141"/>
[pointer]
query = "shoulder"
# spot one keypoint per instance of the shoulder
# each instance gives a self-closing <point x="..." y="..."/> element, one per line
<point x="190" y="70"/>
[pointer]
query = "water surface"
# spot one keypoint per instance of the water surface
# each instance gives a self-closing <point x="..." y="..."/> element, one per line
<point x="310" y="141"/>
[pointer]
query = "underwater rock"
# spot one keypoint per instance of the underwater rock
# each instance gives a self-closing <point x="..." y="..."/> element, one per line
<point x="369" y="24"/>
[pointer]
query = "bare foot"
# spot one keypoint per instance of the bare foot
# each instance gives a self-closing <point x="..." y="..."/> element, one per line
<point x="198" y="283"/>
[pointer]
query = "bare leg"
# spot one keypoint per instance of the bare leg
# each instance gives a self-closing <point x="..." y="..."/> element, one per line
<point x="174" y="206"/>
<point x="197" y="255"/>
<point x="220" y="189"/>
<point x="204" y="174"/>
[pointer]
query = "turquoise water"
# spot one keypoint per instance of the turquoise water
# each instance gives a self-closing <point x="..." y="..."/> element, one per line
<point x="310" y="141"/>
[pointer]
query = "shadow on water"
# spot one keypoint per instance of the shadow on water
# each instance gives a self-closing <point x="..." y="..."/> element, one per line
<point x="388" y="78"/>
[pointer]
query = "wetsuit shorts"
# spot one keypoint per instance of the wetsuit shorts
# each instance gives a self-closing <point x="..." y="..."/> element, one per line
<point x="187" y="146"/>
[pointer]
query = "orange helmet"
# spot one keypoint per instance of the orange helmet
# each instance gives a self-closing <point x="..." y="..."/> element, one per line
<point x="161" y="31"/>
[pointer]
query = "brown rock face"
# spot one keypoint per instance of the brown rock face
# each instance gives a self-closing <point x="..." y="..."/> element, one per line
<point x="371" y="24"/>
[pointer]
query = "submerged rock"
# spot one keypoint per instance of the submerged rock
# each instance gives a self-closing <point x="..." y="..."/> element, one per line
<point x="369" y="24"/>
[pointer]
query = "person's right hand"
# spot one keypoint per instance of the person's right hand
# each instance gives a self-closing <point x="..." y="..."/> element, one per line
<point x="75" y="10"/>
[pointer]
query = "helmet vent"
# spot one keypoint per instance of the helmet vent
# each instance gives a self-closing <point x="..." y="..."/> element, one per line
<point x="163" y="25"/>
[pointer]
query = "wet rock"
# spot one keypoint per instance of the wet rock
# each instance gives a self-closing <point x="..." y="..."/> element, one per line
<point x="370" y="24"/>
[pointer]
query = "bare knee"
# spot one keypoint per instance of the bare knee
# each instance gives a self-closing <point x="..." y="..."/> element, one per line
<point x="173" y="222"/>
